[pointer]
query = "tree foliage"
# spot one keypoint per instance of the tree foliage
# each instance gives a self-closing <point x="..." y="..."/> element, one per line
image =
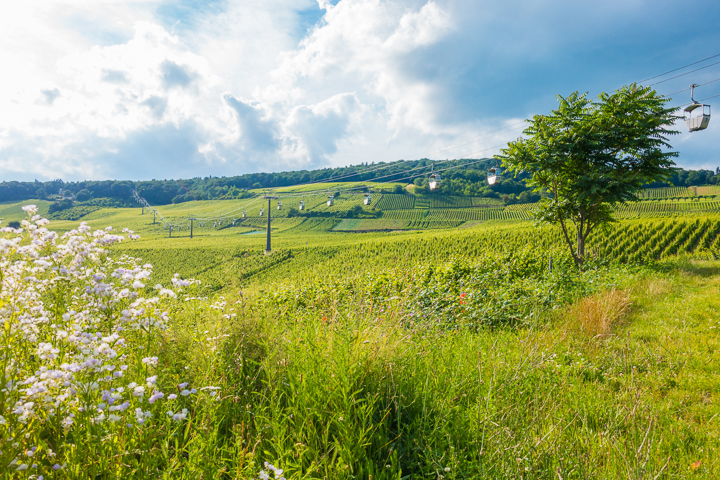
<point x="590" y="155"/>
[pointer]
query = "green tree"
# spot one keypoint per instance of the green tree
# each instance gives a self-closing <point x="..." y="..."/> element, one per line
<point x="590" y="155"/>
<point x="83" y="195"/>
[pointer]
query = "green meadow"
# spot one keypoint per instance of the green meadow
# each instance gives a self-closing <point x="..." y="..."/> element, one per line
<point x="390" y="345"/>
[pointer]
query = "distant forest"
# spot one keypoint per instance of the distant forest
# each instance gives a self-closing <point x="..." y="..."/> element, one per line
<point x="467" y="180"/>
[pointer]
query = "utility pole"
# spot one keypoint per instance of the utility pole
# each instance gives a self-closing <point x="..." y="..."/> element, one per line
<point x="191" y="226"/>
<point x="269" y="197"/>
<point x="170" y="232"/>
<point x="154" y="211"/>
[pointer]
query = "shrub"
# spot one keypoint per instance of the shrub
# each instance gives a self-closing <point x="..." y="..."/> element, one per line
<point x="82" y="388"/>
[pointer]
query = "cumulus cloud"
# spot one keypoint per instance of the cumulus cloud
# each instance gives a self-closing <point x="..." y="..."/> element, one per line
<point x="127" y="89"/>
<point x="314" y="131"/>
<point x="174" y="75"/>
<point x="49" y="96"/>
<point x="257" y="131"/>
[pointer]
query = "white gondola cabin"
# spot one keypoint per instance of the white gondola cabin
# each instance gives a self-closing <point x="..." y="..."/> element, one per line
<point x="279" y="205"/>
<point x="331" y="201"/>
<point x="434" y="179"/>
<point x="244" y="214"/>
<point x="696" y="115"/>
<point x="302" y="205"/>
<point x="368" y="199"/>
<point x="494" y="175"/>
<point x="262" y="212"/>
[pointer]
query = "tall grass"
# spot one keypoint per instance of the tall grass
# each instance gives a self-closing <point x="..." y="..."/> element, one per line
<point x="348" y="380"/>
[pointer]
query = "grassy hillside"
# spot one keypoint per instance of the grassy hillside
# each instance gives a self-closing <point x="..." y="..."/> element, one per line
<point x="422" y="339"/>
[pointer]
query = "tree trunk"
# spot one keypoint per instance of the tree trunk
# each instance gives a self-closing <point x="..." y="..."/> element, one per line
<point x="581" y="247"/>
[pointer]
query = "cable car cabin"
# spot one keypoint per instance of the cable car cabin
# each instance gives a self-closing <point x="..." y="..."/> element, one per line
<point x="279" y="206"/>
<point x="244" y="214"/>
<point x="302" y="205"/>
<point x="494" y="175"/>
<point x="434" y="181"/>
<point x="697" y="117"/>
<point x="331" y="201"/>
<point x="262" y="212"/>
<point x="367" y="199"/>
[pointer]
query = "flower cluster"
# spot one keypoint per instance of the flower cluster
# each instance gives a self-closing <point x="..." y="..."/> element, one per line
<point x="264" y="475"/>
<point x="74" y="347"/>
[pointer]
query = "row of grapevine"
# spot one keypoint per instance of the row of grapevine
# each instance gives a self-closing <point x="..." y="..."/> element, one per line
<point x="665" y="192"/>
<point x="654" y="240"/>
<point x="486" y="202"/>
<point x="392" y="201"/>
<point x="442" y="201"/>
<point x="366" y="225"/>
<point x="353" y="224"/>
<point x="422" y="202"/>
<point x="478" y="214"/>
<point x="708" y="190"/>
<point x="413" y="214"/>
<point x="655" y="207"/>
<point x="521" y="207"/>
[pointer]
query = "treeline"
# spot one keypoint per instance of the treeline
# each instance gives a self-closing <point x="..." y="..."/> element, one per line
<point x="468" y="179"/>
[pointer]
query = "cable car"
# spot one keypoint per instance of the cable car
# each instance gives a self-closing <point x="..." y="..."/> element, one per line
<point x="244" y="214"/>
<point x="494" y="175"/>
<point x="434" y="179"/>
<point x="302" y="205"/>
<point x="367" y="199"/>
<point x="279" y="206"/>
<point x="262" y="212"/>
<point x="696" y="120"/>
<point x="331" y="201"/>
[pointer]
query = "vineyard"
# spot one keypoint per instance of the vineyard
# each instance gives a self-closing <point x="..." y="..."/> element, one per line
<point x="367" y="225"/>
<point x="350" y="324"/>
<point x="391" y="201"/>
<point x="478" y="214"/>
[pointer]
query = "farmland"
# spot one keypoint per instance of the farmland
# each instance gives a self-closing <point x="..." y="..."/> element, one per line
<point x="413" y="338"/>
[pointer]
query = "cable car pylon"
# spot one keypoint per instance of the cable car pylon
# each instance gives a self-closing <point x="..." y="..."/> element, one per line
<point x="270" y="197"/>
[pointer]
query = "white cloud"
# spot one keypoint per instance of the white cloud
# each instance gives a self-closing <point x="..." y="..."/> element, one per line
<point x="125" y="89"/>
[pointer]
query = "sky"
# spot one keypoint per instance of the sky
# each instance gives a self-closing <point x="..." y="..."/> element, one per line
<point x="138" y="90"/>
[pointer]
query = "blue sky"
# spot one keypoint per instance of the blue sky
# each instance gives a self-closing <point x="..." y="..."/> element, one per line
<point x="99" y="89"/>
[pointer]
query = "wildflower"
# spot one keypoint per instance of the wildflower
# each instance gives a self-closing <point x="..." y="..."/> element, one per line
<point x="185" y="393"/>
<point x="32" y="209"/>
<point x="172" y="396"/>
<point x="179" y="415"/>
<point x="150" y="360"/>
<point x="155" y="396"/>
<point x="139" y="391"/>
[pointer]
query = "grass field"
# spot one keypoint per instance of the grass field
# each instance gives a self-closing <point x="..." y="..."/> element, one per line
<point x="433" y="341"/>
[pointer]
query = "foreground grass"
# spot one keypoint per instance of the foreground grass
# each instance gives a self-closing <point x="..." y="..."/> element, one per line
<point x="348" y="392"/>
